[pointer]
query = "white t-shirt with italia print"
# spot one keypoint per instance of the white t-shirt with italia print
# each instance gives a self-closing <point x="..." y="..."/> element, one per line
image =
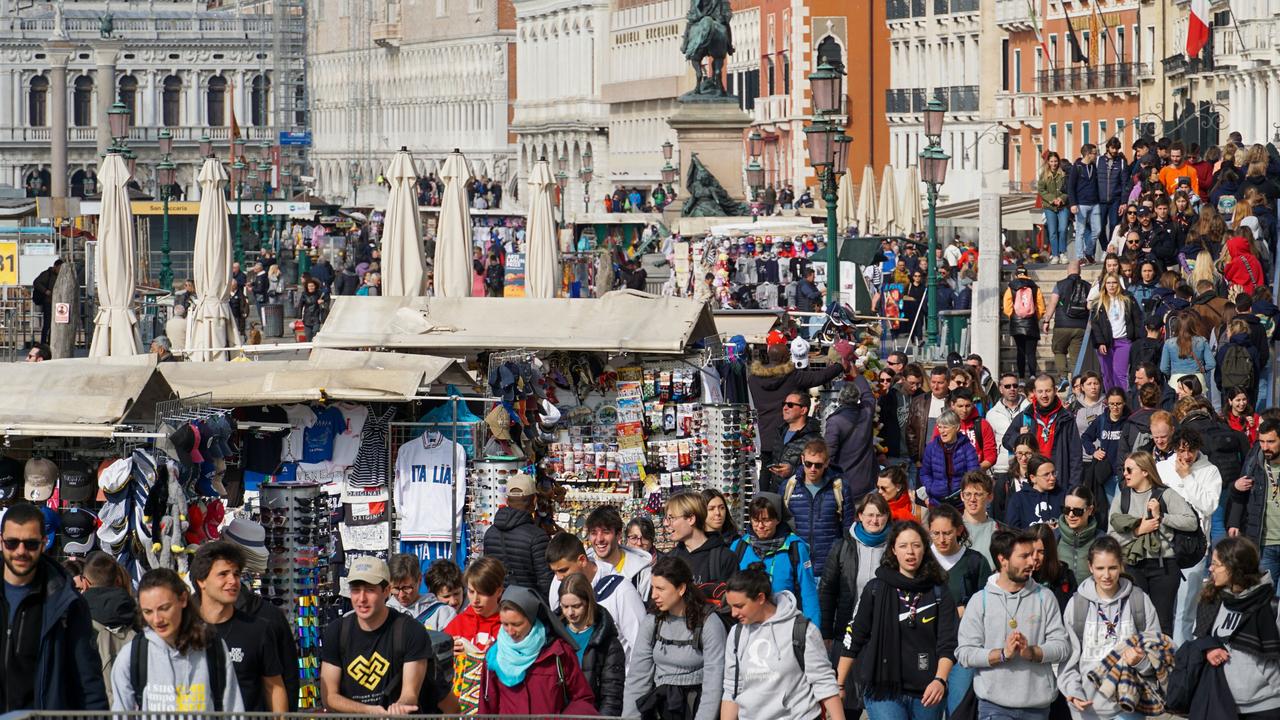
<point x="430" y="480"/>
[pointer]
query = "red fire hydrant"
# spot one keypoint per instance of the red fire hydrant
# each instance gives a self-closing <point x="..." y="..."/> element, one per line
<point x="299" y="331"/>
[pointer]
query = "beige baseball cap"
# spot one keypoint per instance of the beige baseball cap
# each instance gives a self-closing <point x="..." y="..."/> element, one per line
<point x="520" y="485"/>
<point x="369" y="570"/>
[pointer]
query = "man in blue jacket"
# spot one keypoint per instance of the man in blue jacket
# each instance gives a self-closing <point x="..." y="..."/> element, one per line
<point x="49" y="661"/>
<point x="1082" y="194"/>
<point x="821" y="503"/>
<point x="1113" y="186"/>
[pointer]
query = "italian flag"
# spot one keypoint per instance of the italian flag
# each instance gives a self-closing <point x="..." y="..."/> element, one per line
<point x="1198" y="27"/>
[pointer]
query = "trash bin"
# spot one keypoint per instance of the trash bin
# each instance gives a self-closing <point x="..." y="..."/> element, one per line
<point x="273" y="320"/>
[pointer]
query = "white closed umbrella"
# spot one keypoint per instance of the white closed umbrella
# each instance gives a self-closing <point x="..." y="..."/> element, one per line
<point x="211" y="326"/>
<point x="115" y="327"/>
<point x="542" y="265"/>
<point x="887" y="215"/>
<point x="845" y="215"/>
<point x="404" y="269"/>
<point x="453" y="232"/>
<point x="912" y="210"/>
<point x="866" y="211"/>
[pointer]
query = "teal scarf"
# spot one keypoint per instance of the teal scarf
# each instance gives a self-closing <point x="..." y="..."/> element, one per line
<point x="510" y="660"/>
<point x="868" y="538"/>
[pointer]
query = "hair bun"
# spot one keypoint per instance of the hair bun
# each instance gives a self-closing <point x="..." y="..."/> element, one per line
<point x="757" y="566"/>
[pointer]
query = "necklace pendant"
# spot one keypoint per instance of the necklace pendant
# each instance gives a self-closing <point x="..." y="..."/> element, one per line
<point x="1013" y="624"/>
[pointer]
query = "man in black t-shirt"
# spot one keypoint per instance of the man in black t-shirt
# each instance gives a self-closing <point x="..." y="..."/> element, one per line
<point x="1070" y="316"/>
<point x="215" y="571"/>
<point x="373" y="661"/>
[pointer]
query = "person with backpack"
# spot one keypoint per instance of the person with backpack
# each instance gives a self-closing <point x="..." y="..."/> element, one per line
<point x="352" y="645"/>
<point x="776" y="665"/>
<point x="1236" y="620"/>
<point x="1115" y="325"/>
<point x="1190" y="473"/>
<point x="494" y="276"/>
<point x="1242" y="269"/>
<point x="1012" y="635"/>
<point x="902" y="641"/>
<point x="677" y="668"/>
<point x="1105" y="612"/>
<point x="1069" y="309"/>
<point x="1145" y="350"/>
<point x="112" y="608"/>
<point x="1024" y="306"/>
<point x="533" y="668"/>
<point x="820" y="503"/>
<point x="177" y="662"/>
<point x="406" y="579"/>
<point x="1187" y="352"/>
<point x="613" y="590"/>
<point x="605" y="533"/>
<point x="1144" y="516"/>
<point x="1238" y="364"/>
<point x="1101" y="443"/>
<point x="784" y="554"/>
<point x="946" y="460"/>
<point x="710" y="560"/>
<point x="600" y="654"/>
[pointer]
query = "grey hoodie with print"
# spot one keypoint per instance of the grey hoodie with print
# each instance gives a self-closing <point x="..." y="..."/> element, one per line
<point x="1016" y="683"/>
<point x="175" y="681"/>
<point x="1093" y="643"/>
<point x="761" y="675"/>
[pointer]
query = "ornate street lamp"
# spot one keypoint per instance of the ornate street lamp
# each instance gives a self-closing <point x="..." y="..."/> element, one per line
<point x="131" y="159"/>
<point x="562" y="180"/>
<point x="823" y="139"/>
<point x="206" y="145"/>
<point x="933" y="170"/>
<point x="755" y="179"/>
<point x="585" y="176"/>
<point x="825" y="84"/>
<point x="755" y="144"/>
<point x="165" y="173"/>
<point x="238" y="177"/>
<point x="165" y="141"/>
<point x="667" y="149"/>
<point x="934" y="114"/>
<point x="118" y="120"/>
<point x="264" y="173"/>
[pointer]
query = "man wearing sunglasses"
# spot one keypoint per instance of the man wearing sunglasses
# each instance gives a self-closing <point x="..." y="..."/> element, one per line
<point x="49" y="661"/>
<point x="1011" y="404"/>
<point x="798" y="428"/>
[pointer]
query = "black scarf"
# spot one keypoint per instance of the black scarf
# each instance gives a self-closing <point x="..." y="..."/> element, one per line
<point x="1256" y="632"/>
<point x="765" y="548"/>
<point x="880" y="669"/>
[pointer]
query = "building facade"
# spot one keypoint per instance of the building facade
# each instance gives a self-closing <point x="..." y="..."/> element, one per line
<point x="175" y="68"/>
<point x="429" y="75"/>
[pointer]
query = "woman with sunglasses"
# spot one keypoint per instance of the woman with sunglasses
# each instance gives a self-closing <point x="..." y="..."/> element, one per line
<point x="892" y="485"/>
<point x="1105" y="611"/>
<point x="1077" y="530"/>
<point x="1101" y="442"/>
<point x="1143" y="515"/>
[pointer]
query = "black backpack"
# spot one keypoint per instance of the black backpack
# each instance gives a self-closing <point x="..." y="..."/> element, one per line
<point x="1237" y="368"/>
<point x="1189" y="547"/>
<point x="215" y="655"/>
<point x="1077" y="306"/>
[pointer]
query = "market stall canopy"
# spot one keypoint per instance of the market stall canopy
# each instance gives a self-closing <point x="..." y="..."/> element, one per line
<point x="452" y="261"/>
<point x="753" y="326"/>
<point x="1017" y="212"/>
<point x="621" y="321"/>
<point x="81" y="396"/>
<point x="329" y="375"/>
<point x="865" y="214"/>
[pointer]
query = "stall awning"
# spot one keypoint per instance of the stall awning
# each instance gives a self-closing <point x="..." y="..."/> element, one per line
<point x="84" y="393"/>
<point x="326" y="375"/>
<point x="753" y="327"/>
<point x="623" y="320"/>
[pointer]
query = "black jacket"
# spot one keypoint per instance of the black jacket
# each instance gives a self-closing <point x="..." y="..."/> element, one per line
<point x="792" y="451"/>
<point x="1067" y="451"/>
<point x="522" y="547"/>
<point x="347" y="283"/>
<point x="42" y="288"/>
<point x="712" y="562"/>
<point x="52" y="631"/>
<point x="112" y="607"/>
<point x="605" y="665"/>
<point x="838" y="587"/>
<point x="281" y="637"/>
<point x="313" y="308"/>
<point x="1247" y="510"/>
<point x="769" y="385"/>
<point x="1101" y="325"/>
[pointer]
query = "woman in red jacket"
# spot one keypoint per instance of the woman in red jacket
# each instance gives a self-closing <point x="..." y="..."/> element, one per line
<point x="533" y="667"/>
<point x="1241" y="267"/>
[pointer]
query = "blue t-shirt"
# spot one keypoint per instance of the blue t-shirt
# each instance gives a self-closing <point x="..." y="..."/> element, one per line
<point x="890" y="262"/>
<point x="14" y="595"/>
<point x="580" y="639"/>
<point x="317" y="440"/>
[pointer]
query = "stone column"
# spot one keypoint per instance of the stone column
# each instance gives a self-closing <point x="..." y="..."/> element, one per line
<point x="59" y="53"/>
<point x="6" y="91"/>
<point x="984" y="320"/>
<point x="104" y="55"/>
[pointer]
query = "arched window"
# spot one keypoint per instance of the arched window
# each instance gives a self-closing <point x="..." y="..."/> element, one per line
<point x="37" y="101"/>
<point x="217" y="101"/>
<point x="172" y="101"/>
<point x="259" y="108"/>
<point x="129" y="96"/>
<point x="82" y="102"/>
<point x="830" y="52"/>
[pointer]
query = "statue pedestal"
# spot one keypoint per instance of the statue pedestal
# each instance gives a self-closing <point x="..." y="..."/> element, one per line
<point x="713" y="132"/>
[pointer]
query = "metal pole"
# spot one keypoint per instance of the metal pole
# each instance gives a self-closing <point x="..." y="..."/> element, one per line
<point x="586" y="198"/>
<point x="833" y="242"/>
<point x="931" y="322"/>
<point x="265" y="234"/>
<point x="166" y="266"/>
<point x="239" y="243"/>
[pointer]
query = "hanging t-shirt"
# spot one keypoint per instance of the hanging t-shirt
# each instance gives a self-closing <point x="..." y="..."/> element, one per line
<point x="317" y="441"/>
<point x="300" y="417"/>
<point x="260" y="450"/>
<point x="430" y="479"/>
<point x="347" y="443"/>
<point x="252" y="653"/>
<point x="371" y="671"/>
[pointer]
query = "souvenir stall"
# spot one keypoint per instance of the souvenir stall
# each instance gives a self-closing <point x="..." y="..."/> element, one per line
<point x="489" y="228"/>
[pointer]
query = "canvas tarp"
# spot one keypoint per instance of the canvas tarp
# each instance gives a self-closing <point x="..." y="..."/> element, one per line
<point x="753" y="327"/>
<point x="624" y="320"/>
<point x="86" y="392"/>
<point x="326" y="375"/>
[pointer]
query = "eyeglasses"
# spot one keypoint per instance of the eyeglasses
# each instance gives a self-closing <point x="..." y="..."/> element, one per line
<point x="31" y="545"/>
<point x="1075" y="511"/>
<point x="809" y="464"/>
<point x="886" y="380"/>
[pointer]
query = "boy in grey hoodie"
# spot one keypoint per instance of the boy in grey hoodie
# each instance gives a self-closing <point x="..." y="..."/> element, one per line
<point x="762" y="678"/>
<point x="1012" y="634"/>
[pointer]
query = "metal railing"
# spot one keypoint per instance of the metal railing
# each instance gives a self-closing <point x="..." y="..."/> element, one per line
<point x="961" y="98"/>
<point x="1117" y="76"/>
<point x="897" y="100"/>
<point x="897" y="10"/>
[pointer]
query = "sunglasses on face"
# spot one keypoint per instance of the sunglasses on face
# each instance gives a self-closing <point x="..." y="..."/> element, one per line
<point x="1074" y="511"/>
<point x="1009" y="386"/>
<point x="793" y="405"/>
<point x="807" y="463"/>
<point x="28" y="544"/>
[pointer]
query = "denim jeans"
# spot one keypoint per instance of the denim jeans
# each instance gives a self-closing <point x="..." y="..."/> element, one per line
<point x="1088" y="227"/>
<point x="991" y="711"/>
<point x="903" y="707"/>
<point x="1055" y="229"/>
<point x="1110" y="218"/>
<point x="1271" y="561"/>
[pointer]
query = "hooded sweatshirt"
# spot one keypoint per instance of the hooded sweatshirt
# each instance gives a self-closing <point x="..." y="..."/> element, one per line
<point x="637" y="567"/>
<point x="761" y="674"/>
<point x="1030" y="506"/>
<point x="175" y="681"/>
<point x="114" y="614"/>
<point x="665" y="655"/>
<point x="1015" y="683"/>
<point x="1243" y="269"/>
<point x="1095" y="642"/>
<point x="1202" y="488"/>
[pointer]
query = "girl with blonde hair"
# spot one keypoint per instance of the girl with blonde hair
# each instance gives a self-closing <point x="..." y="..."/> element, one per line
<point x="1116" y="323"/>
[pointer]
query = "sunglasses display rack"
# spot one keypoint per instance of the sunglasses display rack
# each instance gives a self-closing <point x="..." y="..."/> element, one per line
<point x="729" y="463"/>
<point x="299" y="526"/>
<point x="486" y="494"/>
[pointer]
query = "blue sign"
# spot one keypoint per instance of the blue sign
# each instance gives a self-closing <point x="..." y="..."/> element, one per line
<point x="295" y="138"/>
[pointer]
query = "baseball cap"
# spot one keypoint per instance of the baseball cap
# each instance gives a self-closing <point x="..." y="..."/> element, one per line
<point x="775" y="337"/>
<point x="800" y="353"/>
<point x="77" y="484"/>
<point x="11" y="478"/>
<point x="370" y="570"/>
<point x="520" y="485"/>
<point x="52" y="524"/>
<point x="186" y="443"/>
<point x="78" y="527"/>
<point x="41" y="476"/>
<point x="115" y="477"/>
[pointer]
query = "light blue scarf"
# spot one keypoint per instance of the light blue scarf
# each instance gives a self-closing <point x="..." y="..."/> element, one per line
<point x="510" y="659"/>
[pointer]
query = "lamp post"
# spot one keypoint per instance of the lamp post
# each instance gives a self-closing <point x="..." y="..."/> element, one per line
<point x="585" y="176"/>
<point x="562" y="180"/>
<point x="755" y="171"/>
<point x="933" y="170"/>
<point x="827" y="155"/>
<point x="237" y="181"/>
<point x="264" y="228"/>
<point x="165" y="172"/>
<point x="669" y="171"/>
